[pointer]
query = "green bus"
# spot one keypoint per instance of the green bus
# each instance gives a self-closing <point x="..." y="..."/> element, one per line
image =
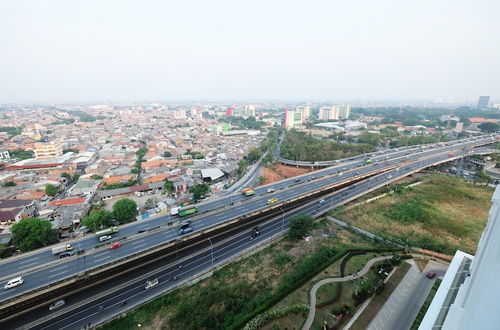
<point x="368" y="161"/>
<point x="183" y="211"/>
<point x="107" y="231"/>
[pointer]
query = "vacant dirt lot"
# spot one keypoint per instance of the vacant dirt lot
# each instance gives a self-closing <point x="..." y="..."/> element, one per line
<point x="280" y="172"/>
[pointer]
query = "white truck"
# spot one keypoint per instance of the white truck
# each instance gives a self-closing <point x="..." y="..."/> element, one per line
<point x="174" y="210"/>
<point x="62" y="248"/>
<point x="150" y="284"/>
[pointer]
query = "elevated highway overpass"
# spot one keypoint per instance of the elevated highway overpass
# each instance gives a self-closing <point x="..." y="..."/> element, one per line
<point x="311" y="185"/>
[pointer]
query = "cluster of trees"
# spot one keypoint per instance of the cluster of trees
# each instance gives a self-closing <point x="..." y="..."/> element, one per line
<point x="488" y="127"/>
<point x="194" y="154"/>
<point x="244" y="123"/>
<point x="51" y="190"/>
<point x="32" y="233"/>
<point x="21" y="154"/>
<point x="109" y="186"/>
<point x="82" y="116"/>
<point x="242" y="168"/>
<point x="304" y="147"/>
<point x="124" y="211"/>
<point x="300" y="225"/>
<point x="168" y="187"/>
<point x="12" y="131"/>
<point x="199" y="191"/>
<point x="9" y="184"/>
<point x="140" y="158"/>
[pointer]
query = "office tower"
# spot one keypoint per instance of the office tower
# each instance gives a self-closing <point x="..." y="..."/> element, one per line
<point x="482" y="102"/>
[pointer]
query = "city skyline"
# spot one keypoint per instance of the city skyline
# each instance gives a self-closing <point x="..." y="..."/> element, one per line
<point x="289" y="51"/>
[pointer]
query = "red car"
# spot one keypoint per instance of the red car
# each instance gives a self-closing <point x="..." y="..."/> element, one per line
<point x="431" y="275"/>
<point x="115" y="246"/>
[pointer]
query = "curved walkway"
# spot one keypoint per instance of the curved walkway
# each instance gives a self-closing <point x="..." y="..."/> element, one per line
<point x="312" y="296"/>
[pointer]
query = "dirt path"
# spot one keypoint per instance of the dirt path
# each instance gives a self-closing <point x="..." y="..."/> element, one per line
<point x="312" y="296"/>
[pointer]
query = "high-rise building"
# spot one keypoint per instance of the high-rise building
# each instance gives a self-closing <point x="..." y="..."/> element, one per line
<point x="249" y="111"/>
<point x="292" y="118"/>
<point x="467" y="297"/>
<point x="344" y="111"/>
<point x="482" y="102"/>
<point x="47" y="150"/>
<point x="180" y="114"/>
<point x="306" y="111"/>
<point x="246" y="111"/>
<point x="328" y="113"/>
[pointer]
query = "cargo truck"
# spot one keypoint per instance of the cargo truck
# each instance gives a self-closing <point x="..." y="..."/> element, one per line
<point x="183" y="211"/>
<point x="62" y="248"/>
<point x="107" y="231"/>
<point x="248" y="191"/>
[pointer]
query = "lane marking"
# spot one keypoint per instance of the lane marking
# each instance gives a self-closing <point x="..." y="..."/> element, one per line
<point x="28" y="265"/>
<point x="100" y="259"/>
<point x="57" y="274"/>
<point x="56" y="269"/>
<point x="25" y="261"/>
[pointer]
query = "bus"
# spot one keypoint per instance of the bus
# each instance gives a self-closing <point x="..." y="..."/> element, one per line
<point x="248" y="191"/>
<point x="368" y="161"/>
<point x="183" y="211"/>
<point x="107" y="231"/>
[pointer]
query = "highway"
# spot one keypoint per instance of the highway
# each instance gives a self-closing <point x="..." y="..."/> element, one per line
<point x="55" y="269"/>
<point x="201" y="261"/>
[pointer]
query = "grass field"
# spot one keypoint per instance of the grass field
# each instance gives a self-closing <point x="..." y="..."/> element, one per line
<point x="442" y="214"/>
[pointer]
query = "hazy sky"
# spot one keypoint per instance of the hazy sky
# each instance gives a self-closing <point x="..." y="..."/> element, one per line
<point x="73" y="50"/>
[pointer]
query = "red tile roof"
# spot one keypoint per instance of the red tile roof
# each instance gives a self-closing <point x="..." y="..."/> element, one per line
<point x="68" y="201"/>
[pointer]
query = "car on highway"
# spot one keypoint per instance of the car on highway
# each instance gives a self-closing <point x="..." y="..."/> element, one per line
<point x="66" y="254"/>
<point x="105" y="238"/>
<point x="431" y="275"/>
<point x="270" y="190"/>
<point x="255" y="232"/>
<point x="272" y="201"/>
<point x="185" y="227"/>
<point x="321" y="201"/>
<point x="297" y="180"/>
<point x="58" y="304"/>
<point x="351" y="187"/>
<point x="115" y="245"/>
<point x="389" y="176"/>
<point x="13" y="283"/>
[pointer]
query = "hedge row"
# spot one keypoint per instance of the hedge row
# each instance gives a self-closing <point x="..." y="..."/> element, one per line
<point x="261" y="319"/>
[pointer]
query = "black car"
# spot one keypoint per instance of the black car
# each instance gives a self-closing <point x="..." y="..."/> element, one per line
<point x="297" y="180"/>
<point x="66" y="254"/>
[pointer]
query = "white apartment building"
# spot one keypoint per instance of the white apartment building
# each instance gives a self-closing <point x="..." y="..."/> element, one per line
<point x="305" y="110"/>
<point x="47" y="150"/>
<point x="292" y="118"/>
<point x="344" y="111"/>
<point x="328" y="113"/>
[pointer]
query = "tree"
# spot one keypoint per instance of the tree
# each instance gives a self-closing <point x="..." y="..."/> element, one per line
<point x="96" y="177"/>
<point x="9" y="184"/>
<point x="262" y="179"/>
<point x="488" y="127"/>
<point x="125" y="210"/>
<point x="254" y="154"/>
<point x="300" y="225"/>
<point x="50" y="190"/>
<point x="168" y="186"/>
<point x="98" y="219"/>
<point x="199" y="191"/>
<point x="150" y="203"/>
<point x="482" y="177"/>
<point x="242" y="168"/>
<point x="29" y="234"/>
<point x="167" y="154"/>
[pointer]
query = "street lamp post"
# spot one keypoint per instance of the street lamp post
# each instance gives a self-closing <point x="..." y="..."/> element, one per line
<point x="211" y="251"/>
<point x="283" y="220"/>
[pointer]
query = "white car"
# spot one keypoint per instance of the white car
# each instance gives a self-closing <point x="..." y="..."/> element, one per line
<point x="270" y="190"/>
<point x="14" y="282"/>
<point x="105" y="238"/>
<point x="57" y="304"/>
